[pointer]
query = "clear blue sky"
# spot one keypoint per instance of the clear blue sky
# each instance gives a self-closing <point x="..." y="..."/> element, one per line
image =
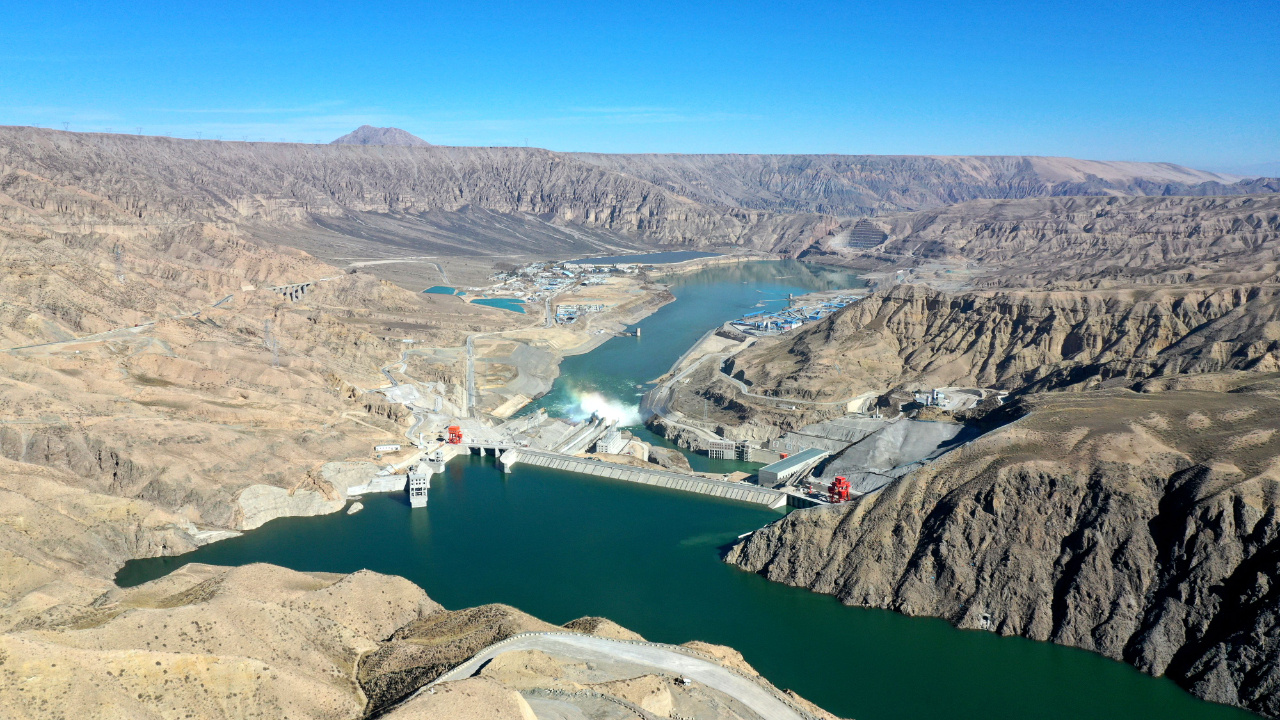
<point x="1190" y="82"/>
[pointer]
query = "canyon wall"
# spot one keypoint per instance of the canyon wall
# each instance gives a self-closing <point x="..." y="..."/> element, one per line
<point x="1027" y="340"/>
<point x="1142" y="526"/>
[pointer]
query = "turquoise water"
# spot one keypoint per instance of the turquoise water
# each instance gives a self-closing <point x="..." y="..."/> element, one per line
<point x="504" y="303"/>
<point x="561" y="546"/>
<point x="659" y="258"/>
<point x="704" y="300"/>
<point x="443" y="290"/>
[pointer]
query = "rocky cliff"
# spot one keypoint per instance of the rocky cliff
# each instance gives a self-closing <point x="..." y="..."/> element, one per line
<point x="1082" y="242"/>
<point x="1017" y="340"/>
<point x="1139" y="525"/>
<point x="136" y="374"/>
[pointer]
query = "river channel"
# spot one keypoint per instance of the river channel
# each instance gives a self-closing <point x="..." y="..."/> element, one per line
<point x="562" y="546"/>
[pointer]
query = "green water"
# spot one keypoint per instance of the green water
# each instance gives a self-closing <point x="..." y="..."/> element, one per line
<point x="442" y="290"/>
<point x="562" y="546"/>
<point x="704" y="300"/>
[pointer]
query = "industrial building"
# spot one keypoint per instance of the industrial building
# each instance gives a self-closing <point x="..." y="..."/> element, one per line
<point x="728" y="450"/>
<point x="419" y="485"/>
<point x="770" y="322"/>
<point x="790" y="467"/>
<point x="567" y="313"/>
<point x="611" y="442"/>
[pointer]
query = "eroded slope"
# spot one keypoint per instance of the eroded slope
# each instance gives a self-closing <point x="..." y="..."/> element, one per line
<point x="1139" y="525"/>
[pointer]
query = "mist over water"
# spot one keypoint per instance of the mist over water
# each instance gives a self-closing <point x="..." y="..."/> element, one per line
<point x="615" y="412"/>
<point x="619" y="371"/>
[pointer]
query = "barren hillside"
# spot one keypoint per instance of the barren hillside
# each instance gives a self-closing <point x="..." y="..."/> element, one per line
<point x="343" y="200"/>
<point x="263" y="641"/>
<point x="854" y="185"/>
<point x="369" y="135"/>
<point x="1138" y="525"/>
<point x="410" y="193"/>
<point x="914" y="337"/>
<point x="1082" y="242"/>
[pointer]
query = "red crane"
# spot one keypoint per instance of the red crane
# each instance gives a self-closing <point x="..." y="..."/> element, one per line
<point x="839" y="490"/>
<point x="455" y="435"/>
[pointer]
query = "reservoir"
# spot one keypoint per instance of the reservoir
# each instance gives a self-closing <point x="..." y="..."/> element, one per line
<point x="705" y="299"/>
<point x="511" y="304"/>
<point x="562" y="546"/>
<point x="442" y="290"/>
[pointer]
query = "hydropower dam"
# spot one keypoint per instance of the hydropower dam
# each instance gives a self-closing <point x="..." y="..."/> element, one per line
<point x="562" y="545"/>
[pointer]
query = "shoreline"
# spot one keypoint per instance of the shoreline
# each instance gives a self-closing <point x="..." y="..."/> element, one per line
<point x="657" y="296"/>
<point x="650" y="307"/>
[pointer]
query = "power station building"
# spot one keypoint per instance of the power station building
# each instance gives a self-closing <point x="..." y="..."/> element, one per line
<point x="728" y="450"/>
<point x="790" y="467"/>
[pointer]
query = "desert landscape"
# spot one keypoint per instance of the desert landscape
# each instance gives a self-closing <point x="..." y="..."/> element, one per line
<point x="201" y="336"/>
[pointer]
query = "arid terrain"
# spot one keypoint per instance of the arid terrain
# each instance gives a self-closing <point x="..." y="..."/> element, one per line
<point x="263" y="641"/>
<point x="192" y="330"/>
<point x="1121" y="500"/>
<point x="1138" y="524"/>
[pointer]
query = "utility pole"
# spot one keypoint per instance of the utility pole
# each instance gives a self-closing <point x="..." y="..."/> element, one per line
<point x="119" y="253"/>
<point x="66" y="126"/>
<point x="138" y="129"/>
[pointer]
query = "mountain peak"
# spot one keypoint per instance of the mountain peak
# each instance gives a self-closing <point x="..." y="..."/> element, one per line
<point x="369" y="135"/>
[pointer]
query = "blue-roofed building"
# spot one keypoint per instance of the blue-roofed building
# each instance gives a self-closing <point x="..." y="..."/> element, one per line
<point x="789" y="467"/>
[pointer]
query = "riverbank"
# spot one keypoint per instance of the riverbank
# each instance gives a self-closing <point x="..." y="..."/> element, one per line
<point x="516" y="377"/>
<point x="513" y="368"/>
<point x="561" y="546"/>
<point x="699" y="367"/>
<point x="554" y="543"/>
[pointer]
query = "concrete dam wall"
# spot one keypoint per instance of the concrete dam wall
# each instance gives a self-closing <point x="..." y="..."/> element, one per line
<point x="741" y="492"/>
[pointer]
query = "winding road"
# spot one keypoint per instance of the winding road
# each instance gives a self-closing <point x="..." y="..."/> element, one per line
<point x="664" y="658"/>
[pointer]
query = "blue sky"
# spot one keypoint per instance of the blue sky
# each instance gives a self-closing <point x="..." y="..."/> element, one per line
<point x="1195" y="83"/>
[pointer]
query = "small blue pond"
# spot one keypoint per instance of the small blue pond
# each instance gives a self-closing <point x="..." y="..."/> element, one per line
<point x="505" y="303"/>
<point x="443" y="290"/>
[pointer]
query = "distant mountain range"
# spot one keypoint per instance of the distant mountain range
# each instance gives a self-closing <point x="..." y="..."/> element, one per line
<point x="501" y="201"/>
<point x="370" y="135"/>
